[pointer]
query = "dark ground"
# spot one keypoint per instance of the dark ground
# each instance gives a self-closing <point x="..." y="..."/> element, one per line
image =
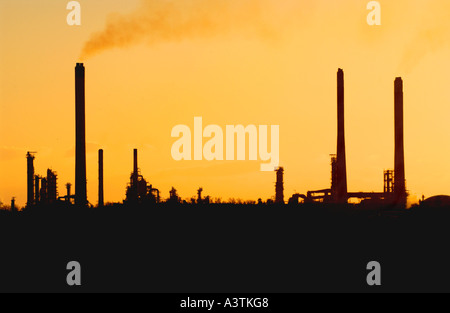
<point x="225" y="248"/>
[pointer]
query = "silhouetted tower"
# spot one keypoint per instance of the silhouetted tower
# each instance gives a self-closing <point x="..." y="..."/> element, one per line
<point x="100" y="178"/>
<point x="173" y="195"/>
<point x="52" y="191"/>
<point x="279" y="186"/>
<point x="333" y="174"/>
<point x="399" y="165"/>
<point x="341" y="168"/>
<point x="138" y="189"/>
<point x="199" y="195"/>
<point x="133" y="189"/>
<point x="13" y="204"/>
<point x="135" y="167"/>
<point x="36" y="188"/>
<point x="80" y="137"/>
<point x="43" y="191"/>
<point x="30" y="179"/>
<point x="68" y="185"/>
<point x="388" y="183"/>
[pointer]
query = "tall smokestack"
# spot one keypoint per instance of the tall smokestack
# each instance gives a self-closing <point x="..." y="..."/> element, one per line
<point x="100" y="178"/>
<point x="341" y="167"/>
<point x="36" y="189"/>
<point x="80" y="138"/>
<point x="135" y="168"/>
<point x="279" y="187"/>
<point x="30" y="179"/>
<point x="399" y="165"/>
<point x="135" y="161"/>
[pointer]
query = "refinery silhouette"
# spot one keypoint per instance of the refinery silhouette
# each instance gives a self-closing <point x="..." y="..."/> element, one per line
<point x="43" y="191"/>
<point x="316" y="241"/>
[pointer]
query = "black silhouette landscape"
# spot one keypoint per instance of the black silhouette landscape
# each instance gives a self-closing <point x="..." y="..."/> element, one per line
<point x="316" y="241"/>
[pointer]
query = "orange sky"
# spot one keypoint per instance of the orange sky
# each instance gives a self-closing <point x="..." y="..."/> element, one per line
<point x="265" y="62"/>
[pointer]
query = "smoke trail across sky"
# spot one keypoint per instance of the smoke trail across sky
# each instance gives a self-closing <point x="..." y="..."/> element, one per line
<point x="158" y="21"/>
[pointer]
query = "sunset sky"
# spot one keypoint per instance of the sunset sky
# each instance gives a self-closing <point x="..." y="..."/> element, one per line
<point x="151" y="65"/>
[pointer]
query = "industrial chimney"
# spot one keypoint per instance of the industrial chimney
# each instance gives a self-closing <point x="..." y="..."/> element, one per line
<point x="36" y="189"/>
<point x="100" y="178"/>
<point x="80" y="137"/>
<point x="279" y="186"/>
<point x="135" y="168"/>
<point x="341" y="168"/>
<point x="399" y="165"/>
<point x="30" y="179"/>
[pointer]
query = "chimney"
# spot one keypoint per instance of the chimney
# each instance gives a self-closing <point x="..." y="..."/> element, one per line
<point x="399" y="165"/>
<point x="135" y="162"/>
<point x="279" y="187"/>
<point x="30" y="179"/>
<point x="100" y="178"/>
<point x="36" y="188"/>
<point x="13" y="205"/>
<point x="341" y="168"/>
<point x="135" y="168"/>
<point x="80" y="138"/>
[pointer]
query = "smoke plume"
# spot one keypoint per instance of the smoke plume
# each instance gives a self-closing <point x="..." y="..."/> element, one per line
<point x="420" y="26"/>
<point x="157" y="21"/>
